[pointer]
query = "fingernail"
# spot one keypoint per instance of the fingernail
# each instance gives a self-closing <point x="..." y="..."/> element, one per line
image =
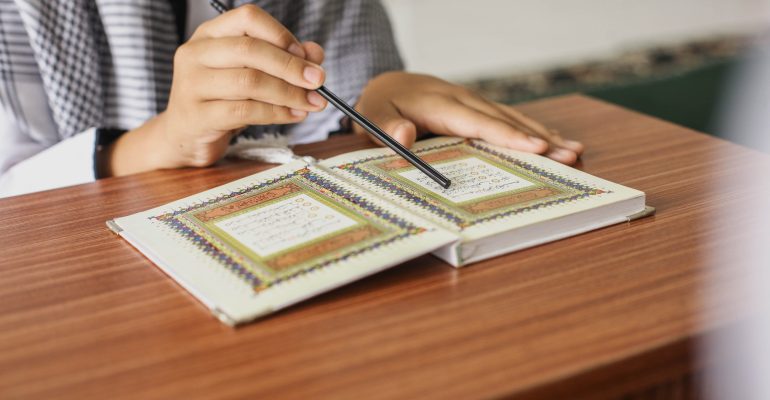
<point x="315" y="99"/>
<point x="298" y="113"/>
<point x="297" y="50"/>
<point x="313" y="75"/>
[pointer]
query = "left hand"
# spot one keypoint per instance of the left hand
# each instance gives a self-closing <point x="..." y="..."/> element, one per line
<point x="405" y="104"/>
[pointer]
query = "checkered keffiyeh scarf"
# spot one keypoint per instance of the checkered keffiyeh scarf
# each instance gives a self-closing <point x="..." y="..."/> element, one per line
<point x="108" y="63"/>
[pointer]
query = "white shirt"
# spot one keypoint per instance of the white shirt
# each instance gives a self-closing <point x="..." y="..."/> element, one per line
<point x="358" y="43"/>
<point x="33" y="166"/>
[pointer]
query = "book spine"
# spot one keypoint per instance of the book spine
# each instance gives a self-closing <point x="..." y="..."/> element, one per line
<point x="223" y="317"/>
<point x="648" y="210"/>
<point x="114" y="227"/>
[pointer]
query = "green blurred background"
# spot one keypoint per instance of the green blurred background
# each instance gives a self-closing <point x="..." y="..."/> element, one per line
<point x="684" y="83"/>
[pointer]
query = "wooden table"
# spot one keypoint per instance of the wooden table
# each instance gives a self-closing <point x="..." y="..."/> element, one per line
<point x="612" y="312"/>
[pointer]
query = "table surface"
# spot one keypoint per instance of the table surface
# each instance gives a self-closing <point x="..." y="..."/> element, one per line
<point x="84" y="314"/>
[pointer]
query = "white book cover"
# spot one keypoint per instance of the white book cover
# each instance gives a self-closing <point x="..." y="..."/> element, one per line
<point x="264" y="242"/>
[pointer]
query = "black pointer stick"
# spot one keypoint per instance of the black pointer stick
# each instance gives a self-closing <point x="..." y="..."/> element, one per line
<point x="370" y="126"/>
<point x="384" y="137"/>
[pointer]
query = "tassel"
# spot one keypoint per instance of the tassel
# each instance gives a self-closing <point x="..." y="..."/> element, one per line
<point x="270" y="148"/>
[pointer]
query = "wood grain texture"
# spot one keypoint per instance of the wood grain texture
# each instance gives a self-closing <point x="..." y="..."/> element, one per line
<point x="600" y="315"/>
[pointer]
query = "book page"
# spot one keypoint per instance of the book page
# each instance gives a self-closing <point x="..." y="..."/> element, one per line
<point x="274" y="238"/>
<point x="493" y="189"/>
<point x="293" y="221"/>
<point x="472" y="179"/>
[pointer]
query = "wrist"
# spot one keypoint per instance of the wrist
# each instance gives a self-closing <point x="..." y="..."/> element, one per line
<point x="139" y="150"/>
<point x="165" y="151"/>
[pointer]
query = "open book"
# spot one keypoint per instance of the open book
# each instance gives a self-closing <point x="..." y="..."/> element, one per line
<point x="264" y="242"/>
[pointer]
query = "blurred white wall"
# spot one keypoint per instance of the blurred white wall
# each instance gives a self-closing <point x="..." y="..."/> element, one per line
<point x="458" y="39"/>
<point x="738" y="359"/>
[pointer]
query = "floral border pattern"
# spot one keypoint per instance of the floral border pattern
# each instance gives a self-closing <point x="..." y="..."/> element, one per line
<point x="173" y="220"/>
<point x="583" y="191"/>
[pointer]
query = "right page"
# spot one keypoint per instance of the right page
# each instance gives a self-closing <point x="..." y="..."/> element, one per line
<point x="493" y="189"/>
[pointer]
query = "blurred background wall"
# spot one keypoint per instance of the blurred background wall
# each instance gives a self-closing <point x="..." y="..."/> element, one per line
<point x="460" y="39"/>
<point x="668" y="58"/>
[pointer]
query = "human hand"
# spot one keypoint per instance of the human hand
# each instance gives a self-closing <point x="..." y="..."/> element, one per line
<point x="241" y="68"/>
<point x="405" y="105"/>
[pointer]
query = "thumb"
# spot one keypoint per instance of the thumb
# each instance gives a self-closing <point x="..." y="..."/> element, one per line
<point x="395" y="125"/>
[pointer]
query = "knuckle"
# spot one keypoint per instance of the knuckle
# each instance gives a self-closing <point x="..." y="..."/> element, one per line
<point x="463" y="93"/>
<point x="285" y="38"/>
<point x="295" y="95"/>
<point x="278" y="112"/>
<point x="202" y="29"/>
<point x="245" y="45"/>
<point x="248" y="78"/>
<point x="249" y="12"/>
<point x="240" y="110"/>
<point x="468" y="92"/>
<point x="290" y="65"/>
<point x="182" y="54"/>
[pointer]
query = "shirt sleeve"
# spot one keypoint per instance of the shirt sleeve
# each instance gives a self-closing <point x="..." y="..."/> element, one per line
<point x="28" y="166"/>
<point x="359" y="44"/>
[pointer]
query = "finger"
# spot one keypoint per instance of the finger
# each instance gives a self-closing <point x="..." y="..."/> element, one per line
<point x="559" y="149"/>
<point x="533" y="124"/>
<point x="234" y="114"/>
<point x="315" y="53"/>
<point x="253" y="21"/>
<point x="486" y="107"/>
<point x="574" y="149"/>
<point x="550" y="134"/>
<point x="251" y="84"/>
<point x="556" y="149"/>
<point x="460" y="120"/>
<point x="390" y="120"/>
<point x="498" y="111"/>
<point x="238" y="52"/>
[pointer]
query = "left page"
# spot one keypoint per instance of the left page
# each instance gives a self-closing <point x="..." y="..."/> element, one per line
<point x="264" y="242"/>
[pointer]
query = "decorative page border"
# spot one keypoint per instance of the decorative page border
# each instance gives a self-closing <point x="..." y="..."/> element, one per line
<point x="574" y="190"/>
<point x="393" y="168"/>
<point x="285" y="261"/>
<point x="395" y="228"/>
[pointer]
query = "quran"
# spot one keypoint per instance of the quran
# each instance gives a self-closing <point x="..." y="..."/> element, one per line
<point x="267" y="241"/>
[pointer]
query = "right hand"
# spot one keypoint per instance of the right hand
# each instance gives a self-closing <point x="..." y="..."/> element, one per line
<point x="241" y="68"/>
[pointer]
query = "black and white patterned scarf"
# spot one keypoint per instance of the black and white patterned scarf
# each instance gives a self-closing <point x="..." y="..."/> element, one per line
<point x="108" y="63"/>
